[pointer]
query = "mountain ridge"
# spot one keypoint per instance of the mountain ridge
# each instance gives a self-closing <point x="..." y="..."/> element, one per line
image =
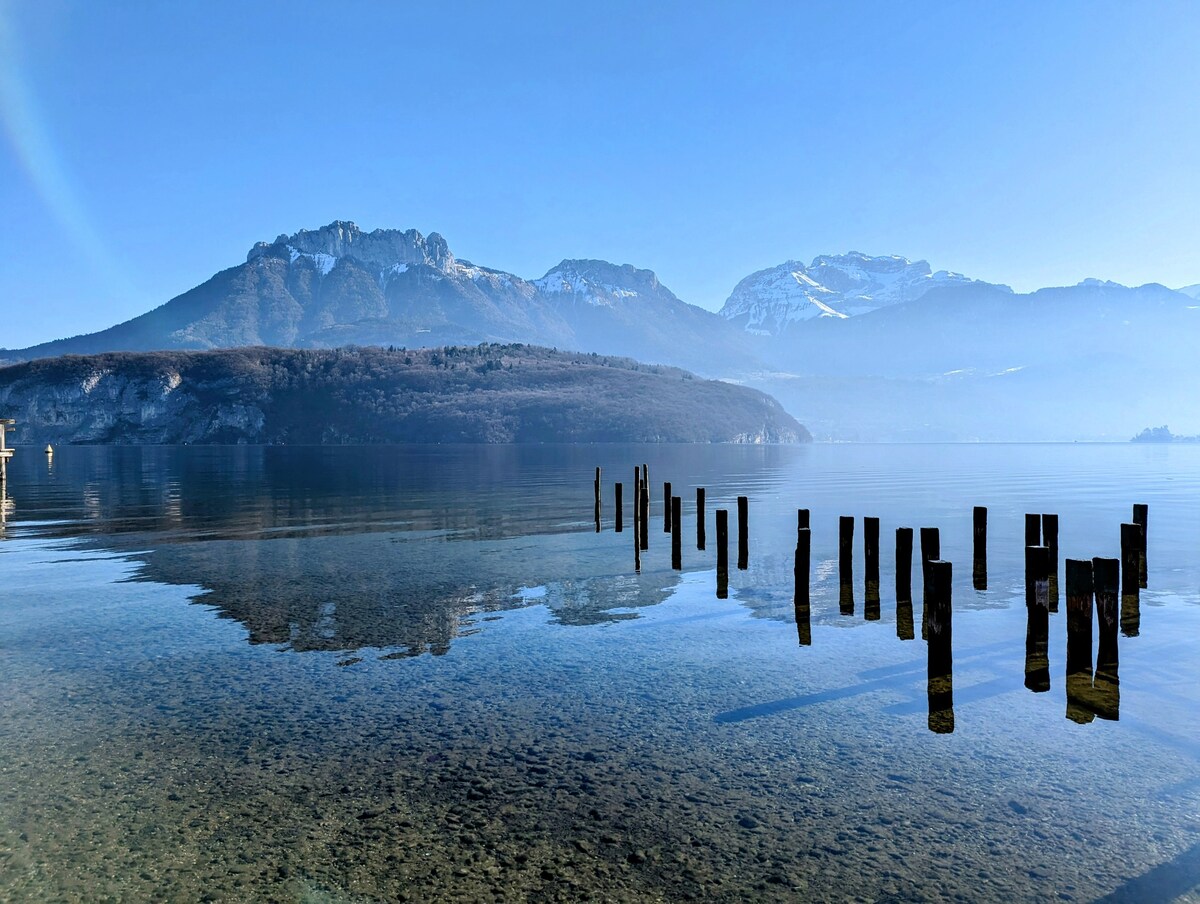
<point x="478" y="394"/>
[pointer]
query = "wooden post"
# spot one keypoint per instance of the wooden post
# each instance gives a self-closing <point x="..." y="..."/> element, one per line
<point x="904" y="607"/>
<point x="637" y="520"/>
<point x="1033" y="530"/>
<point x="700" y="518"/>
<point x="1079" y="616"/>
<point x="846" y="564"/>
<point x="802" y="568"/>
<point x="979" y="566"/>
<point x="676" y="537"/>
<point x="644" y="522"/>
<point x="1131" y="604"/>
<point x="1037" y="577"/>
<point x="941" y="678"/>
<point x="1050" y="541"/>
<point x="802" y="519"/>
<point x="722" y="554"/>
<point x="597" y="506"/>
<point x="931" y="550"/>
<point x="1079" y="640"/>
<point x="1141" y="516"/>
<point x="1106" y="686"/>
<point x="871" y="556"/>
<point x="666" y="508"/>
<point x="618" y="513"/>
<point x="743" y="504"/>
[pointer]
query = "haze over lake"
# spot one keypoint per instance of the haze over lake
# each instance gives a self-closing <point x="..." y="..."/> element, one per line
<point x="360" y="673"/>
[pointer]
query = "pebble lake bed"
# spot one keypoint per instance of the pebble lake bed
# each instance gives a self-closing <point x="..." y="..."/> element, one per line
<point x="365" y="674"/>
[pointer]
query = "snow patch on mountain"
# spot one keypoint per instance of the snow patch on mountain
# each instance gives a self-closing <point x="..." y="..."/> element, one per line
<point x="597" y="282"/>
<point x="836" y="286"/>
<point x="322" y="261"/>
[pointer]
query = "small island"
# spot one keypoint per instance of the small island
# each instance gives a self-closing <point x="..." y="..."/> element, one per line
<point x="1162" y="435"/>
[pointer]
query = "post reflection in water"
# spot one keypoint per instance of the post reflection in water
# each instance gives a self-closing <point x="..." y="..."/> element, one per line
<point x="940" y="675"/>
<point x="1079" y="641"/>
<point x="1037" y="647"/>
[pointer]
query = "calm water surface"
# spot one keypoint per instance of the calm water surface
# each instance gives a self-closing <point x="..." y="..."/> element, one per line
<point x="420" y="674"/>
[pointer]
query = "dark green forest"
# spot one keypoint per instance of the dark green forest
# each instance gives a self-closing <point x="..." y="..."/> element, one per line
<point x="480" y="394"/>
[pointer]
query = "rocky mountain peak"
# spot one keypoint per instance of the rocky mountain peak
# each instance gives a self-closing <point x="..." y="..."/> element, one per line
<point x="833" y="286"/>
<point x="379" y="250"/>
<point x="599" y="282"/>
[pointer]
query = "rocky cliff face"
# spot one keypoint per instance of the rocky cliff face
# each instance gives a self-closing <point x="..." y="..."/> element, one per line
<point x="381" y="250"/>
<point x="485" y="393"/>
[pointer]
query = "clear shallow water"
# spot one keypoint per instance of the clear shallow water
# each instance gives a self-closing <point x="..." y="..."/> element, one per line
<point x="363" y="674"/>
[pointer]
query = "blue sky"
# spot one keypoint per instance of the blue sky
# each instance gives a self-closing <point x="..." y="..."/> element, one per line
<point x="147" y="145"/>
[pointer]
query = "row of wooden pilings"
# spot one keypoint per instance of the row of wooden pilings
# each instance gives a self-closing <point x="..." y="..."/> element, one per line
<point x="673" y="524"/>
<point x="1113" y="584"/>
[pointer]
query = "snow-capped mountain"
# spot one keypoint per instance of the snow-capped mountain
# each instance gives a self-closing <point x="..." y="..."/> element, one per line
<point x="599" y="282"/>
<point x="836" y="286"/>
<point x="339" y="285"/>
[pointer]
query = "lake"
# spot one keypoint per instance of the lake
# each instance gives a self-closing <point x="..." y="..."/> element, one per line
<point x="419" y="673"/>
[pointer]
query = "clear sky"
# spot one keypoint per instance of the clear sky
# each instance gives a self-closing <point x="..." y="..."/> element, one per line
<point x="146" y="145"/>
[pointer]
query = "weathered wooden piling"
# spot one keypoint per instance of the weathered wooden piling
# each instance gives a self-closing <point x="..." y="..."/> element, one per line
<point x="979" y="536"/>
<point x="722" y="553"/>
<point x="904" y="606"/>
<point x="1037" y="577"/>
<point x="871" y="565"/>
<point x="618" y="509"/>
<point x="1050" y="541"/>
<point x="743" y="504"/>
<point x="1106" y="581"/>
<point x="802" y="568"/>
<point x="644" y="505"/>
<point x="1106" y="690"/>
<point x="1131" y="604"/>
<point x="1141" y="517"/>
<point x="931" y="550"/>
<point x="676" y="533"/>
<point x="1079" y="641"/>
<point x="1033" y="530"/>
<point x="666" y="508"/>
<point x="802" y="519"/>
<point x="700" y="538"/>
<point x="846" y="564"/>
<point x="597" y="505"/>
<point x="637" y="520"/>
<point x="941" y="679"/>
<point x="1079" y="616"/>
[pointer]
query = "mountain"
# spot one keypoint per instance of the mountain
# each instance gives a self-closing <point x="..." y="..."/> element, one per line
<point x="976" y="362"/>
<point x="837" y="287"/>
<point x="480" y="394"/>
<point x="1191" y="291"/>
<point x="338" y="286"/>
